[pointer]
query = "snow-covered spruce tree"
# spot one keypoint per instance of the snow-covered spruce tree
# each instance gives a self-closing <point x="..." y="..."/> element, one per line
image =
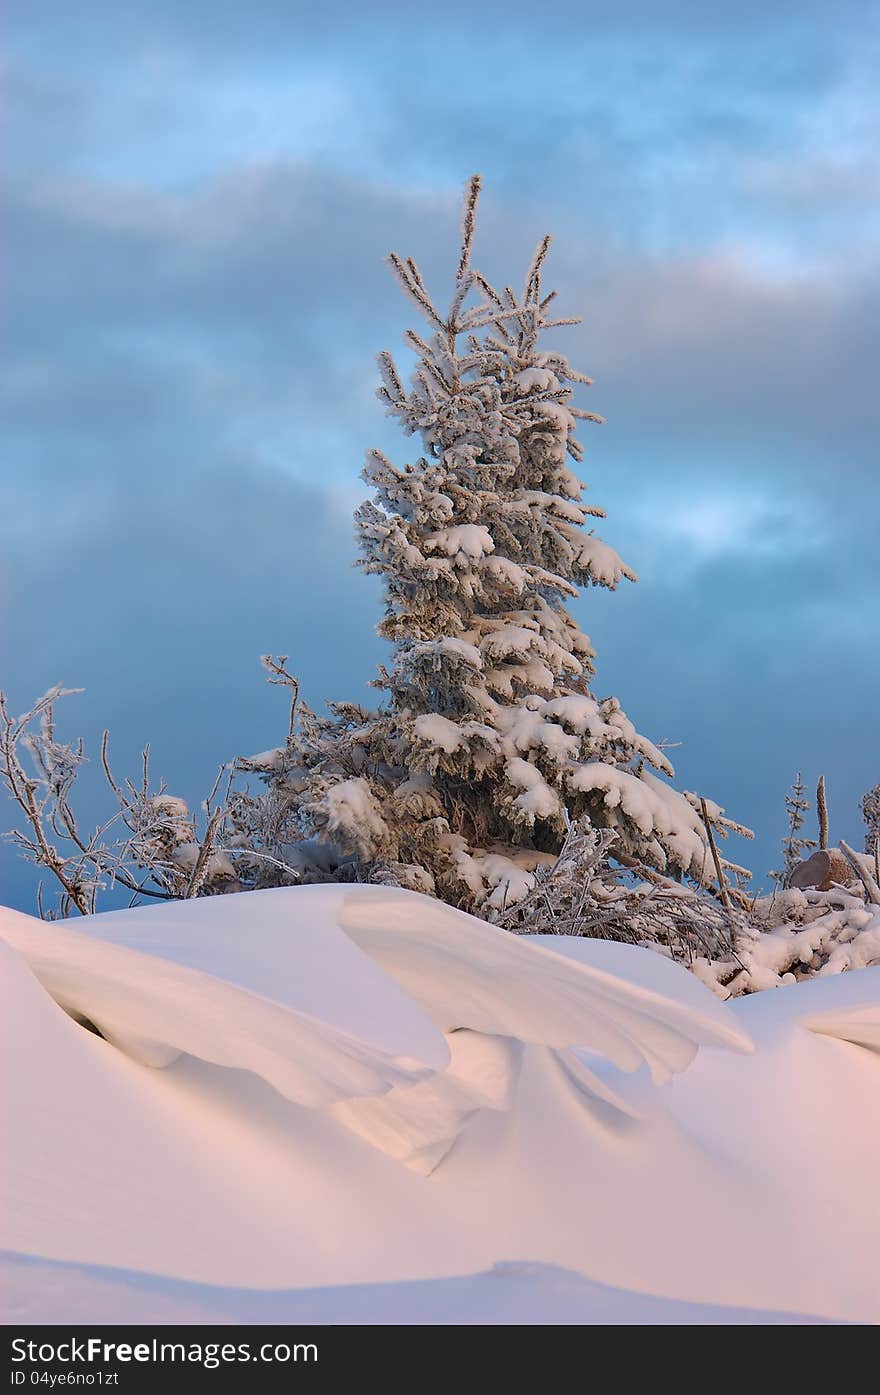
<point x="490" y="742"/>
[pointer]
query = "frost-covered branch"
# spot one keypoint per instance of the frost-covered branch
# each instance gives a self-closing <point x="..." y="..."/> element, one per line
<point x="584" y="893"/>
<point x="42" y="796"/>
<point x="148" y="845"/>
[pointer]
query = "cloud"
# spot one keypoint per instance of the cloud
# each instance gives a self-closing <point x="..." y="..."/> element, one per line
<point x="692" y="527"/>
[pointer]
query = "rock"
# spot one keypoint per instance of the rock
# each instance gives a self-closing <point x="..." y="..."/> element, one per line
<point x="826" y="868"/>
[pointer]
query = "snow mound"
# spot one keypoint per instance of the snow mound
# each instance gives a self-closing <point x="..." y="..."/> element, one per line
<point x="372" y="1099"/>
<point x="154" y="1009"/>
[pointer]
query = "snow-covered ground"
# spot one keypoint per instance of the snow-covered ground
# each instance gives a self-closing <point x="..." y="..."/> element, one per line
<point x="356" y="1104"/>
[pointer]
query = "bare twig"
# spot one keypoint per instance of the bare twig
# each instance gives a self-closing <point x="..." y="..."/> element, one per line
<point x="722" y="880"/>
<point x="277" y="667"/>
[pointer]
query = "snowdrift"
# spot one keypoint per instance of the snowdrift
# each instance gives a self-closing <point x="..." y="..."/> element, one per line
<point x="356" y="1104"/>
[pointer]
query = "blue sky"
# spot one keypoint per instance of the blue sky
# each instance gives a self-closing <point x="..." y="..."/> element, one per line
<point x="197" y="202"/>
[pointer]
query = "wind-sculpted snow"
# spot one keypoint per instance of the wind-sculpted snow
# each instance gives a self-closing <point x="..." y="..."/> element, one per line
<point x="154" y="1008"/>
<point x="334" y="1086"/>
<point x="467" y="973"/>
<point x="845" y="1006"/>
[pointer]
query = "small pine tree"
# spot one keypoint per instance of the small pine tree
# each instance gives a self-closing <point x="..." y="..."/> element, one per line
<point x="490" y="743"/>
<point x="797" y="806"/>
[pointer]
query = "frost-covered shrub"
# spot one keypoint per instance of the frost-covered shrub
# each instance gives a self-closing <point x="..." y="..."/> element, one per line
<point x="796" y="935"/>
<point x="149" y="845"/>
<point x="733" y="949"/>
